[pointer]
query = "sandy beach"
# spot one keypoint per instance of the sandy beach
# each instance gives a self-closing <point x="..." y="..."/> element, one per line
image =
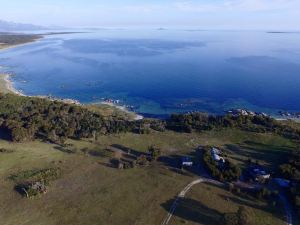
<point x="124" y="109"/>
<point x="6" y="85"/>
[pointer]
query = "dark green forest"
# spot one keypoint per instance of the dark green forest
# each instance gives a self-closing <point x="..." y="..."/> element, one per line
<point x="28" y="118"/>
<point x="15" y="39"/>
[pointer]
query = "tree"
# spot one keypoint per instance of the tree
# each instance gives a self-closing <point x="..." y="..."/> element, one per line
<point x="155" y="152"/>
<point x="241" y="217"/>
<point x="230" y="219"/>
<point x="20" y="134"/>
<point x="244" y="216"/>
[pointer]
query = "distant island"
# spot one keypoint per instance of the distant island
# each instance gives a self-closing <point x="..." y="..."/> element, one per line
<point x="283" y="32"/>
<point x="12" y="26"/>
<point x="8" y="40"/>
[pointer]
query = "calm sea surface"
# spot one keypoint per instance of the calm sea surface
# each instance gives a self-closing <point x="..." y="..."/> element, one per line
<point x="164" y="71"/>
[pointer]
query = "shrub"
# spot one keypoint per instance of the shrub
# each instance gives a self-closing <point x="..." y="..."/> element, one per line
<point x="33" y="182"/>
<point x="3" y="150"/>
<point x="31" y="189"/>
<point x="155" y="152"/>
<point x="142" y="160"/>
<point x="230" y="219"/>
<point x="228" y="172"/>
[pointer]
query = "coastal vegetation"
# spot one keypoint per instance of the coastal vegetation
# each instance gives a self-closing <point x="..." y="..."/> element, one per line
<point x="10" y="39"/>
<point x="28" y="118"/>
<point x="258" y="123"/>
<point x="25" y="119"/>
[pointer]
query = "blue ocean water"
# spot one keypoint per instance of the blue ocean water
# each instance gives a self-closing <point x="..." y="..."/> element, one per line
<point x="164" y="71"/>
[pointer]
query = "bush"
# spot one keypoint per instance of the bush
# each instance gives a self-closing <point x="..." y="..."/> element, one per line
<point x="142" y="160"/>
<point x="155" y="152"/>
<point x="241" y="217"/>
<point x="230" y="219"/>
<point x="33" y="182"/>
<point x="244" y="216"/>
<point x="228" y="172"/>
<point x="3" y="150"/>
<point x="45" y="175"/>
<point x="31" y="189"/>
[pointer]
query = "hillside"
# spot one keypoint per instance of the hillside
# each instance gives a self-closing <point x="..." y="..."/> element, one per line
<point x="12" y="26"/>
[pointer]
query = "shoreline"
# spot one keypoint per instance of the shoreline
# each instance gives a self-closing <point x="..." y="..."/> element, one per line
<point x="7" y="47"/>
<point x="122" y="108"/>
<point x="6" y="87"/>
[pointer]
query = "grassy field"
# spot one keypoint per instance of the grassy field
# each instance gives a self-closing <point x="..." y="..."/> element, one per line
<point x="91" y="192"/>
<point x="205" y="204"/>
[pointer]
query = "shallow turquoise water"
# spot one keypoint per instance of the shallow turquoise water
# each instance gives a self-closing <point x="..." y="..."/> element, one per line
<point x="164" y="71"/>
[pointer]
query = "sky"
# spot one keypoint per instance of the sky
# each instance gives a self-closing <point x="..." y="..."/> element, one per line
<point x="203" y="14"/>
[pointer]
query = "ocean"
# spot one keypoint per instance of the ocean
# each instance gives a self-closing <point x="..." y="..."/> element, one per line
<point x="162" y="71"/>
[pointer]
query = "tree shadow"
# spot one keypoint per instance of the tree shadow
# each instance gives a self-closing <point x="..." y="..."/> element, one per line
<point x="174" y="163"/>
<point x="194" y="211"/>
<point x="247" y="201"/>
<point x="268" y="153"/>
<point x="129" y="151"/>
<point x="5" y="134"/>
<point x="171" y="161"/>
<point x="96" y="153"/>
<point x="65" y="150"/>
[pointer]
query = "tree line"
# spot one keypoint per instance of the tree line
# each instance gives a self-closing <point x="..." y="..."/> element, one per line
<point x="28" y="118"/>
<point x="291" y="171"/>
<point x="258" y="123"/>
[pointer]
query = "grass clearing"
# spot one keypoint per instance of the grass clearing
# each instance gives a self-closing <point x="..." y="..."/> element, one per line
<point x="205" y="204"/>
<point x="89" y="192"/>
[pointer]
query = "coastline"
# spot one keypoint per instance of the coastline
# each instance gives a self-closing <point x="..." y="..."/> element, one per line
<point x="6" y="87"/>
<point x="7" y="47"/>
<point x="124" y="109"/>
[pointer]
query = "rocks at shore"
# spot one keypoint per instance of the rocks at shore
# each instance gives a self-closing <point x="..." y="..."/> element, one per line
<point x="245" y="112"/>
<point x="289" y="114"/>
<point x="64" y="100"/>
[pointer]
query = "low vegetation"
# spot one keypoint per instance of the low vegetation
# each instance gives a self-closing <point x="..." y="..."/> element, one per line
<point x="30" y="183"/>
<point x="4" y="150"/>
<point x="241" y="217"/>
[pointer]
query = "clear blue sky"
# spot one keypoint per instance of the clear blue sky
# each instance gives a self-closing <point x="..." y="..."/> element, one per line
<point x="216" y="14"/>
